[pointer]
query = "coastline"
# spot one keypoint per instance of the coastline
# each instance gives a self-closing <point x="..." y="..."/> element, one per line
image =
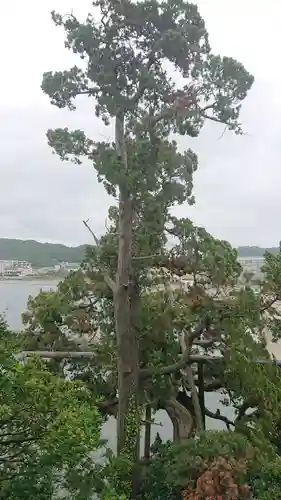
<point x="36" y="277"/>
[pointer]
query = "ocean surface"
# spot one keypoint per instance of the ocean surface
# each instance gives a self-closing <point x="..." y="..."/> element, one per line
<point x="13" y="300"/>
<point x="14" y="296"/>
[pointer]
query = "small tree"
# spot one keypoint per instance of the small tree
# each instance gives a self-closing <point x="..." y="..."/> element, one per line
<point x="48" y="430"/>
<point x="79" y="316"/>
<point x="125" y="47"/>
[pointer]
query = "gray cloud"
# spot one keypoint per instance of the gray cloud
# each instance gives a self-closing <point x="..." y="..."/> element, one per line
<point x="40" y="196"/>
<point x="238" y="181"/>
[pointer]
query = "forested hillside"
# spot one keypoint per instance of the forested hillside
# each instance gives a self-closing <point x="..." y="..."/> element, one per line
<point x="255" y="251"/>
<point x="39" y="254"/>
<point x="47" y="254"/>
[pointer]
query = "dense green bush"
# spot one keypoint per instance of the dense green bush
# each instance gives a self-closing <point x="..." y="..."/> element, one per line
<point x="266" y="483"/>
<point x="175" y="469"/>
<point x="155" y="485"/>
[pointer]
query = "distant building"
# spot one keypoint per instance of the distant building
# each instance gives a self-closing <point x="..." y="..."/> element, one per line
<point x="252" y="264"/>
<point x="15" y="267"/>
<point x="45" y="270"/>
<point x="3" y="266"/>
<point x="73" y="266"/>
<point x="67" y="266"/>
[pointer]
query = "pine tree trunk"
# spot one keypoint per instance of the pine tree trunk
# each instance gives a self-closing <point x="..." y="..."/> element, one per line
<point x="147" y="432"/>
<point x="127" y="345"/>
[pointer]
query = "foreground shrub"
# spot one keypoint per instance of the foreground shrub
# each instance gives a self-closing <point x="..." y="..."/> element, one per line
<point x="221" y="481"/>
<point x="215" y="466"/>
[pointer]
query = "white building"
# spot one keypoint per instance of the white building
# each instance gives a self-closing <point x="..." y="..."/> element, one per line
<point x="21" y="266"/>
<point x="67" y="266"/>
<point x="252" y="264"/>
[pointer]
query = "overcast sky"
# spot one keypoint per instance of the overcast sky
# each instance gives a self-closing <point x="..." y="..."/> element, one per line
<point x="237" y="186"/>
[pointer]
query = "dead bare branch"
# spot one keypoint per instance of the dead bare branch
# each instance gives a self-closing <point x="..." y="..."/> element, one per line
<point x="108" y="280"/>
<point x="269" y="304"/>
<point x="58" y="354"/>
<point x="217" y="416"/>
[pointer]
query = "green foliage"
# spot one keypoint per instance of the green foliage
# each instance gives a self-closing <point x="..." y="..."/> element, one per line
<point x="266" y="483"/>
<point x="133" y="424"/>
<point x="125" y="48"/>
<point x="182" y="463"/>
<point x="82" y="310"/>
<point x="124" y="51"/>
<point x="240" y="315"/>
<point x="154" y="484"/>
<point x="174" y="467"/>
<point x="48" y="427"/>
<point x="39" y="254"/>
<point x="124" y="65"/>
<point x="118" y="475"/>
<point x="156" y="32"/>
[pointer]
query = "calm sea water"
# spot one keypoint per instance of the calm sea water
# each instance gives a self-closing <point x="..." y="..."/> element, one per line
<point x="14" y="296"/>
<point x="13" y="299"/>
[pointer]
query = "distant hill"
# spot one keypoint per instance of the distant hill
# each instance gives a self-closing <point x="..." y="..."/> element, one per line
<point x="40" y="254"/>
<point x="255" y="251"/>
<point x="48" y="254"/>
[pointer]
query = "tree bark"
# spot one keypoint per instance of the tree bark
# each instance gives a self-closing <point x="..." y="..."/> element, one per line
<point x="127" y="345"/>
<point x="147" y="432"/>
<point x="181" y="419"/>
<point x="195" y="399"/>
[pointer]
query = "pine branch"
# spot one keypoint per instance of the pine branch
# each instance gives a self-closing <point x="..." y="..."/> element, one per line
<point x="217" y="416"/>
<point x="108" y="280"/>
<point x="185" y="358"/>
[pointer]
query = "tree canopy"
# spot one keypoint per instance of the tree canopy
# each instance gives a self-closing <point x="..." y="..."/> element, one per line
<point x="134" y="322"/>
<point x="126" y="50"/>
<point x="240" y="321"/>
<point x="48" y="428"/>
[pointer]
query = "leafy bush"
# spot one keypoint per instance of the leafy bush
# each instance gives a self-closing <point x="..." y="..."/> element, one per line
<point x="266" y="483"/>
<point x="49" y="429"/>
<point x="221" y="479"/>
<point x="218" y="465"/>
